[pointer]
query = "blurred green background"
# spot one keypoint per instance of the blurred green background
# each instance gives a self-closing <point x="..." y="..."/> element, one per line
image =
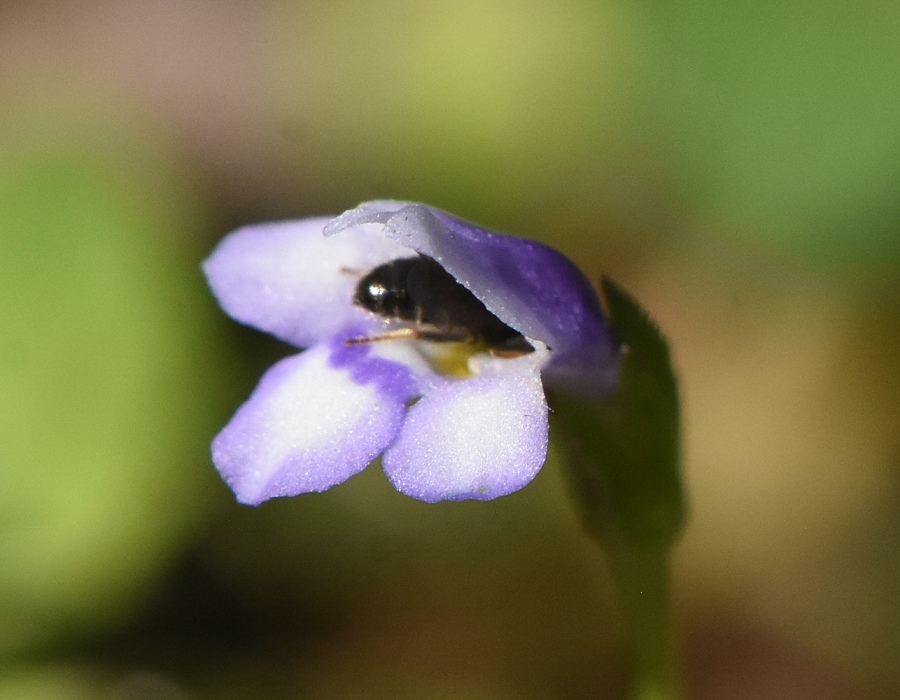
<point x="736" y="166"/>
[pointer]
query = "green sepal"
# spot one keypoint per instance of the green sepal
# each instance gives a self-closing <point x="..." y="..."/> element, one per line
<point x="622" y="455"/>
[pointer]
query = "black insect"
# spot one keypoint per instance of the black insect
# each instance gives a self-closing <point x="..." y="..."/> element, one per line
<point x="423" y="295"/>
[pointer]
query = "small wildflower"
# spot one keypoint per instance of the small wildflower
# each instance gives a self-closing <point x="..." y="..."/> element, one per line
<point x="427" y="341"/>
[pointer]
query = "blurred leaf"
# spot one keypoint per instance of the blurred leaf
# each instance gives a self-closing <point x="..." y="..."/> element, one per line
<point x="787" y="118"/>
<point x="104" y="365"/>
<point x="50" y="683"/>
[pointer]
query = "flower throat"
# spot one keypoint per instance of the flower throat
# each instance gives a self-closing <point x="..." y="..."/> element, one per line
<point x="433" y="306"/>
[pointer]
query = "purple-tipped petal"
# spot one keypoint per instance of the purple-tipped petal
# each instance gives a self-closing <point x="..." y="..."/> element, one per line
<point x="314" y="420"/>
<point x="480" y="437"/>
<point x="530" y="287"/>
<point x="287" y="279"/>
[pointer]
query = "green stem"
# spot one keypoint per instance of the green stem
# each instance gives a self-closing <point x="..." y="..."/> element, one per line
<point x="643" y="577"/>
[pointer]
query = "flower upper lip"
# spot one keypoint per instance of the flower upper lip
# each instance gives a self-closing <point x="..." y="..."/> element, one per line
<point x="319" y="417"/>
<point x="529" y="286"/>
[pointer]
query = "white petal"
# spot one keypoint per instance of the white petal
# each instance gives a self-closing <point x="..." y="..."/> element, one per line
<point x="314" y="420"/>
<point x="480" y="437"/>
<point x="288" y="279"/>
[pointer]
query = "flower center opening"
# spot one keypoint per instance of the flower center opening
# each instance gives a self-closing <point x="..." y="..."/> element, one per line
<point x="432" y="306"/>
<point x="451" y="359"/>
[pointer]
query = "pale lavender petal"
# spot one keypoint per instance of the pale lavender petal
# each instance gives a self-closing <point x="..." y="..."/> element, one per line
<point x="530" y="287"/>
<point x="480" y="437"/>
<point x="314" y="420"/>
<point x="287" y="279"/>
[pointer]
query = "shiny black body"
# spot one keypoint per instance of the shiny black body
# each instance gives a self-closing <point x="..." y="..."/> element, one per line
<point x="421" y="293"/>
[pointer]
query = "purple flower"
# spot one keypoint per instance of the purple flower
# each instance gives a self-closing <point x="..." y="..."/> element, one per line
<point x="319" y="417"/>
